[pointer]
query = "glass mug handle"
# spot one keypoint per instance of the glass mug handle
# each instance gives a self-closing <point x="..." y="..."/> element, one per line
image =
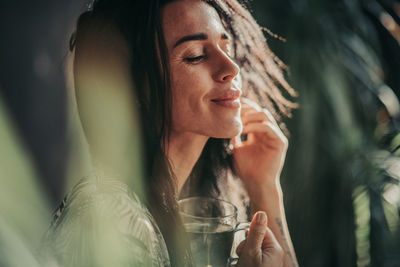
<point x="233" y="259"/>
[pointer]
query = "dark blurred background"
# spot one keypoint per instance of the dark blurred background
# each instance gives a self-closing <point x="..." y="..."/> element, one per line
<point x="341" y="180"/>
<point x="33" y="49"/>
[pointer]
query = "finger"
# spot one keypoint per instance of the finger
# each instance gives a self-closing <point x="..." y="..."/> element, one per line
<point x="253" y="117"/>
<point x="264" y="127"/>
<point x="269" y="115"/>
<point x="270" y="241"/>
<point x="261" y="127"/>
<point x="246" y="110"/>
<point x="263" y="115"/>
<point x="248" y="106"/>
<point x="249" y="103"/>
<point x="258" y="228"/>
<point x="240" y="247"/>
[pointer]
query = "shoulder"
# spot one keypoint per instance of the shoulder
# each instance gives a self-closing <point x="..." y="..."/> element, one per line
<point x="100" y="212"/>
<point x="104" y="196"/>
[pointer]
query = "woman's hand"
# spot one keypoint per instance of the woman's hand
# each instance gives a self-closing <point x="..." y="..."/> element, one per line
<point x="260" y="249"/>
<point x="259" y="160"/>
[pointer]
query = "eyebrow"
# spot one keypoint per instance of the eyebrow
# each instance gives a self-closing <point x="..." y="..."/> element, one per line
<point x="197" y="37"/>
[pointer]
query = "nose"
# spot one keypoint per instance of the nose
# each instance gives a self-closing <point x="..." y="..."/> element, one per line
<point x="227" y="69"/>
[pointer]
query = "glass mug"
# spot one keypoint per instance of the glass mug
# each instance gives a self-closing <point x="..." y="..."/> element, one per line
<point x="211" y="225"/>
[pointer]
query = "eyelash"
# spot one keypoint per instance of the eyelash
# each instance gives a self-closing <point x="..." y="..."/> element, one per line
<point x="193" y="60"/>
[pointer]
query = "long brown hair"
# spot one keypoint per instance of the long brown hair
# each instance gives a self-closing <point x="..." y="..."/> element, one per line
<point x="139" y="22"/>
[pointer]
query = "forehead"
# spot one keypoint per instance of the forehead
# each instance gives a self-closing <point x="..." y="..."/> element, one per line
<point x="187" y="17"/>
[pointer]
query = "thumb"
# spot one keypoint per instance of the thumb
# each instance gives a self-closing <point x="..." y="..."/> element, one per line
<point x="258" y="228"/>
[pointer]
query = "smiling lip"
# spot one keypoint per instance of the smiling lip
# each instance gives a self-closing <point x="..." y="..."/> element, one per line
<point x="230" y="99"/>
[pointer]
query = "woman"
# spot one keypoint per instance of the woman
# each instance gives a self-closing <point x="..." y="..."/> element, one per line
<point x="182" y="60"/>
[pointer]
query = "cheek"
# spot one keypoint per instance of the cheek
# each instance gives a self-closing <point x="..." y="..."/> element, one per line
<point x="190" y="79"/>
<point x="189" y="87"/>
<point x="193" y="111"/>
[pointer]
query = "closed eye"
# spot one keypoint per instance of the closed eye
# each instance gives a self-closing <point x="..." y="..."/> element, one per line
<point x="194" y="59"/>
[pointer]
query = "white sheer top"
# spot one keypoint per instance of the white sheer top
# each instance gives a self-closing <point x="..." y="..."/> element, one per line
<point x="101" y="222"/>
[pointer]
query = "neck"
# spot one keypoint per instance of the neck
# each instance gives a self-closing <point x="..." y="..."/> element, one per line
<point x="183" y="151"/>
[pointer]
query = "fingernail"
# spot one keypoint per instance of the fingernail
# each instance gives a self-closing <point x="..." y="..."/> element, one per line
<point x="261" y="218"/>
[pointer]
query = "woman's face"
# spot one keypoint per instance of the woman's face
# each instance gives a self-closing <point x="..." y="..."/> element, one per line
<point x="205" y="80"/>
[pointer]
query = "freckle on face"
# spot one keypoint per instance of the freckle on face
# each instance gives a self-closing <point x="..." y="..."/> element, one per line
<point x="193" y="86"/>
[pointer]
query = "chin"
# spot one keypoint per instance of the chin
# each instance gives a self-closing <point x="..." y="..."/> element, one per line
<point x="229" y="130"/>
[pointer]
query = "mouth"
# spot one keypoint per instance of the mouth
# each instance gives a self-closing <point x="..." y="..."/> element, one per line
<point x="230" y="99"/>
